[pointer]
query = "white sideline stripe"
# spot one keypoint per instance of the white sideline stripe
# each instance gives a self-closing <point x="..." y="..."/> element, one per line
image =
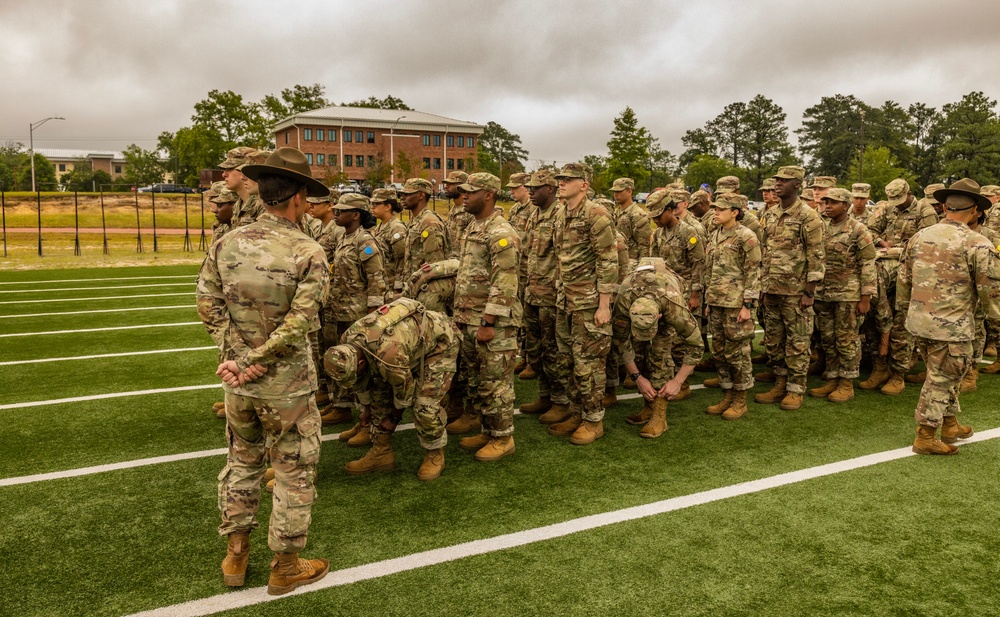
<point x="121" y="310"/>
<point x="154" y="325"/>
<point x="378" y="569"/>
<point x="107" y="355"/>
<point x="184" y="293"/>
<point x="119" y="278"/>
<point x="62" y="289"/>
<point x="97" y="397"/>
<point x="171" y="458"/>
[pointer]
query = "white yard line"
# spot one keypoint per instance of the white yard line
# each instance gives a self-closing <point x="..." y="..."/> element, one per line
<point x="121" y="310"/>
<point x="98" y="397"/>
<point x="183" y="293"/>
<point x="107" y="355"/>
<point x="62" y="289"/>
<point x="154" y="325"/>
<point x="379" y="569"/>
<point x="118" y="278"/>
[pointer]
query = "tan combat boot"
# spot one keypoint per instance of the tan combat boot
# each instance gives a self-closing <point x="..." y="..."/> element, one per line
<point x="843" y="393"/>
<point x="362" y="439"/>
<point x="589" y="432"/>
<point x="791" y="401"/>
<point x="992" y="369"/>
<point x="880" y="375"/>
<point x="657" y="424"/>
<point x="542" y="405"/>
<point x="928" y="443"/>
<point x="322" y="398"/>
<point x="738" y="408"/>
<point x="990" y="350"/>
<point x="895" y="385"/>
<point x="567" y="426"/>
<point x="521" y="365"/>
<point x="218" y="406"/>
<point x="920" y="377"/>
<point x="336" y="415"/>
<point x="558" y="413"/>
<point x="642" y="416"/>
<point x="466" y="423"/>
<point x="288" y="572"/>
<point x="471" y="444"/>
<point x="379" y="458"/>
<point x="683" y="393"/>
<point x="767" y="376"/>
<point x="723" y="405"/>
<point x="824" y="390"/>
<point x="234" y="566"/>
<point x="969" y="381"/>
<point x="495" y="449"/>
<point x="527" y="373"/>
<point x="609" y="398"/>
<point x="952" y="431"/>
<point x="712" y="382"/>
<point x="432" y="466"/>
<point x="775" y="394"/>
<point x="759" y="359"/>
<point x="351" y="432"/>
<point x="268" y="474"/>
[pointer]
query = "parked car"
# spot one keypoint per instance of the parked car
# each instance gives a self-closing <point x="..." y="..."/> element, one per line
<point x="641" y="198"/>
<point x="166" y="188"/>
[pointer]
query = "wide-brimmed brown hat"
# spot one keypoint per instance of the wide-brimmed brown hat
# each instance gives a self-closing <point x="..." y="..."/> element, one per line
<point x="291" y="163"/>
<point x="966" y="188"/>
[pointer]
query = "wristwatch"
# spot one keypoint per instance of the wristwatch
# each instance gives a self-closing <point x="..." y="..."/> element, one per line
<point x="749" y="304"/>
<point x="635" y="376"/>
<point x="809" y="294"/>
<point x="485" y="324"/>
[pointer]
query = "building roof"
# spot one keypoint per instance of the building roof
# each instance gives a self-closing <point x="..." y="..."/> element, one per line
<point x="59" y="154"/>
<point x="366" y="117"/>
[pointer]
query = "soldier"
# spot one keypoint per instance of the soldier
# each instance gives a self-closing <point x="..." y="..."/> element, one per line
<point x="860" y="192"/>
<point x="632" y="221"/>
<point x="943" y="269"/>
<point x="768" y="195"/>
<point x="792" y="267"/>
<point x="260" y="321"/>
<point x="985" y="328"/>
<point x="934" y="203"/>
<point x="327" y="232"/>
<point x="680" y="197"/>
<point x="520" y="212"/>
<point x="992" y="192"/>
<point x="808" y="198"/>
<point x="588" y="274"/>
<point x="400" y="357"/>
<point x="540" y="300"/>
<point x="488" y="314"/>
<point x="457" y="218"/>
<point x="845" y="293"/>
<point x="222" y="200"/>
<point x="700" y="206"/>
<point x="821" y="185"/>
<point x="732" y="289"/>
<point x="426" y="233"/>
<point x="248" y="208"/>
<point x="651" y="307"/>
<point x="390" y="234"/>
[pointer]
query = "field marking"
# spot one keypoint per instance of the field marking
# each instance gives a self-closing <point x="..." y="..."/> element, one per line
<point x="107" y="355"/>
<point x="98" y="397"/>
<point x="62" y="289"/>
<point x="109" y="329"/>
<point x="184" y="293"/>
<point x="185" y="456"/>
<point x="119" y="278"/>
<point x="121" y="310"/>
<point x="423" y="559"/>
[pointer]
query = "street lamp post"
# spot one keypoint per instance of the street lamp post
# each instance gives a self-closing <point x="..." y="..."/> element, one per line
<point x="392" y="153"/>
<point x="31" y="146"/>
<point x="861" y="156"/>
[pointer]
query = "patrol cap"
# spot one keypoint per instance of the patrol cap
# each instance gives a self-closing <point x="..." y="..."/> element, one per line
<point x="807" y="195"/>
<point x="824" y="182"/>
<point x="680" y="195"/>
<point x="456" y="177"/>
<point x="861" y="189"/>
<point x="838" y="194"/>
<point x="929" y="192"/>
<point x="236" y="157"/>
<point x="576" y="170"/>
<point x="676" y="184"/>
<point x="990" y="190"/>
<point x="543" y="177"/>
<point x="325" y="198"/>
<point x="623" y="184"/>
<point x="225" y="196"/>
<point x="341" y="364"/>
<point x="517" y="180"/>
<point x="644" y="314"/>
<point x="768" y="184"/>
<point x="700" y="197"/>
<point x="729" y="201"/>
<point x="353" y="201"/>
<point x="480" y="181"/>
<point x="290" y="163"/>
<point x="417" y="185"/>
<point x="380" y="196"/>
<point x="790" y="172"/>
<point x="254" y="158"/>
<point x="658" y="201"/>
<point x="897" y="190"/>
<point x="727" y="184"/>
<point x="962" y="195"/>
<point x="216" y="189"/>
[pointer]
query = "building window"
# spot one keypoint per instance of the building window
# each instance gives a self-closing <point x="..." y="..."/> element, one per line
<point x="333" y="134"/>
<point x="461" y="163"/>
<point x="472" y="142"/>
<point x="451" y="141"/>
<point x="309" y="159"/>
<point x="451" y="163"/>
<point x="286" y="136"/>
<point x="437" y="163"/>
<point x="427" y="140"/>
<point x="359" y="136"/>
<point x="118" y="169"/>
<point x="348" y="159"/>
<point x="427" y="161"/>
<point x="307" y="134"/>
<point x="461" y="141"/>
<point x="347" y="137"/>
<point x="371" y="161"/>
<point x="320" y="134"/>
<point x="321" y="159"/>
<point x="62" y="166"/>
<point x="359" y="161"/>
<point x="437" y="140"/>
<point x="370" y="137"/>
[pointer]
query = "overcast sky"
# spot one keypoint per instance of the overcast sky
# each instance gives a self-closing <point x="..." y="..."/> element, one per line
<point x="556" y="73"/>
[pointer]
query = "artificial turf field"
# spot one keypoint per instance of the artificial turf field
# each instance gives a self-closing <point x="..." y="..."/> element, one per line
<point x="907" y="536"/>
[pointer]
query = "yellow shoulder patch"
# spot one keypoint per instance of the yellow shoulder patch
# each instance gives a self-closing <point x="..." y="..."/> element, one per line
<point x="502" y="242"/>
<point x="425" y="234"/>
<point x="693" y="240"/>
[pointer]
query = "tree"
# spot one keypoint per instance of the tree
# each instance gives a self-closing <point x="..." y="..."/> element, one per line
<point x="600" y="181"/>
<point x="235" y="120"/>
<point x="407" y="166"/>
<point x="662" y="165"/>
<point x="927" y="139"/>
<point x="628" y="148"/>
<point x="764" y="142"/>
<point x="830" y="134"/>
<point x="389" y="102"/>
<point x="142" y="167"/>
<point x="891" y="126"/>
<point x="45" y="173"/>
<point x="12" y="157"/>
<point x="378" y="171"/>
<point x="972" y="133"/>
<point x="81" y="178"/>
<point x="880" y="168"/>
<point x="706" y="169"/>
<point x="295" y="100"/>
<point x="500" y="152"/>
<point x="728" y="131"/>
<point x="192" y="149"/>
<point x="697" y="142"/>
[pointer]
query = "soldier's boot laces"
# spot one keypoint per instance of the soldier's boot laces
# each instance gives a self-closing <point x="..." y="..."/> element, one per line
<point x="969" y="381"/>
<point x="952" y="431"/>
<point x="713" y="382"/>
<point x="234" y="566"/>
<point x="775" y="394"/>
<point x="880" y="375"/>
<point x="683" y="393"/>
<point x="467" y="422"/>
<point x="791" y="401"/>
<point x="475" y="442"/>
<point x="379" y="457"/>
<point x="824" y="390"/>
<point x="542" y="405"/>
<point x="567" y="426"/>
<point x="288" y="572"/>
<point x="589" y="432"/>
<point x="642" y="416"/>
<point x="432" y="466"/>
<point x="528" y="373"/>
<point x="609" y="398"/>
<point x="843" y="393"/>
<point x="928" y="443"/>
<point x="559" y="412"/>
<point x="657" y="424"/>
<point x="895" y="385"/>
<point x="721" y="406"/>
<point x="738" y="409"/>
<point x="495" y="449"/>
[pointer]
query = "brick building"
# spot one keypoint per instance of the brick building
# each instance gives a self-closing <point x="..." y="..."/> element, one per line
<point x="353" y="140"/>
<point x="65" y="160"/>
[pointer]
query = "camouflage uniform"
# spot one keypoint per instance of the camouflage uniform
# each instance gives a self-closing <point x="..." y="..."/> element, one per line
<point x="426" y="242"/>
<point x="683" y="250"/>
<point x="633" y="223"/>
<point x="219" y="195"/>
<point x="520" y="213"/>
<point x="357" y="283"/>
<point x="457" y="218"/>
<point x="259" y="316"/>
<point x="391" y="236"/>
<point x="614" y="359"/>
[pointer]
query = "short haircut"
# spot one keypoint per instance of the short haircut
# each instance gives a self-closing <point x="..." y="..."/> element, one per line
<point x="276" y="191"/>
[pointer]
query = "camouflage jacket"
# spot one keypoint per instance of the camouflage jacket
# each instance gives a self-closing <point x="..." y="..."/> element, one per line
<point x="683" y="250"/>
<point x="850" y="263"/>
<point x="652" y="279"/>
<point x="588" y="256"/>
<point x="897" y="227"/>
<point x="750" y="221"/>
<point x="695" y="222"/>
<point x="259" y="293"/>
<point x="793" y="249"/>
<point x="357" y="279"/>
<point x="456" y="222"/>
<point x="621" y="245"/>
<point x="862" y="218"/>
<point x="391" y="236"/>
<point x="219" y="230"/>
<point x="732" y="268"/>
<point x="248" y="212"/>
<point x="487" y="276"/>
<point x="633" y="223"/>
<point x="993" y="218"/>
<point x="426" y="241"/>
<point x="311" y="226"/>
<point x="543" y="262"/>
<point x="330" y="236"/>
<point x="520" y="214"/>
<point x="942" y="271"/>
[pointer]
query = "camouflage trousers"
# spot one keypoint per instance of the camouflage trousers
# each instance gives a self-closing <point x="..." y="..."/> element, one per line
<point x="583" y="350"/>
<point x="658" y="358"/>
<point x="489" y="372"/>
<point x="288" y="432"/>
<point x="888" y="319"/>
<point x="731" y="344"/>
<point x="787" y="335"/>
<point x="541" y="352"/>
<point x="437" y="295"/>
<point x="330" y="336"/>
<point x="947" y="362"/>
<point x="901" y="346"/>
<point x="837" y="323"/>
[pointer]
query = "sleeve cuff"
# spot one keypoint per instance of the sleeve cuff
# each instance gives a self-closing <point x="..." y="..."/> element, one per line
<point x="496" y="309"/>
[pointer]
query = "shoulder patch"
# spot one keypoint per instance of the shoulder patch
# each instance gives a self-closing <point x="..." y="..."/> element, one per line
<point x="395" y="236"/>
<point x="425" y="234"/>
<point x="693" y="240"/>
<point x="503" y="242"/>
<point x="368" y="250"/>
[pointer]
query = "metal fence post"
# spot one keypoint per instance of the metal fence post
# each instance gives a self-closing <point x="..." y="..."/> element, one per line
<point x="3" y="211"/>
<point x="202" y="244"/>
<point x="153" y="202"/>
<point x="38" y="200"/>
<point x="76" y="219"/>
<point x="138" y="225"/>
<point x="104" y="228"/>
<point x="187" y="232"/>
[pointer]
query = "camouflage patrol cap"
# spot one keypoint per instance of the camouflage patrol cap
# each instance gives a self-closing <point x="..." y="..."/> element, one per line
<point x="216" y="189"/>
<point x="644" y="314"/>
<point x="341" y="364"/>
<point x="605" y="203"/>
<point x="236" y="157"/>
<point x="456" y="177"/>
<point x="896" y="191"/>
<point x="380" y="196"/>
<point x="576" y="170"/>
<point x="417" y="185"/>
<point x="353" y="201"/>
<point x="790" y="172"/>
<point x="225" y="196"/>
<point x="658" y="201"/>
<point x="517" y="180"/>
<point x="768" y="184"/>
<point x="727" y="184"/>
<point x="677" y="184"/>
<point x="824" y="182"/>
<point x="807" y="195"/>
<point x="480" y="181"/>
<point x="623" y="184"/>
<point x="990" y="190"/>
<point x="680" y="195"/>
<point x="929" y="192"/>
<point x="699" y="197"/>
<point x="543" y="177"/>
<point x="729" y="201"/>
<point x="962" y="195"/>
<point x="325" y="198"/>
<point x="838" y="194"/>
<point x="255" y="158"/>
<point x="861" y="189"/>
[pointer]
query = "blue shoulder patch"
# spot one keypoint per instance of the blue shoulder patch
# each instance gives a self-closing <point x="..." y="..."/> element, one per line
<point x="368" y="250"/>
